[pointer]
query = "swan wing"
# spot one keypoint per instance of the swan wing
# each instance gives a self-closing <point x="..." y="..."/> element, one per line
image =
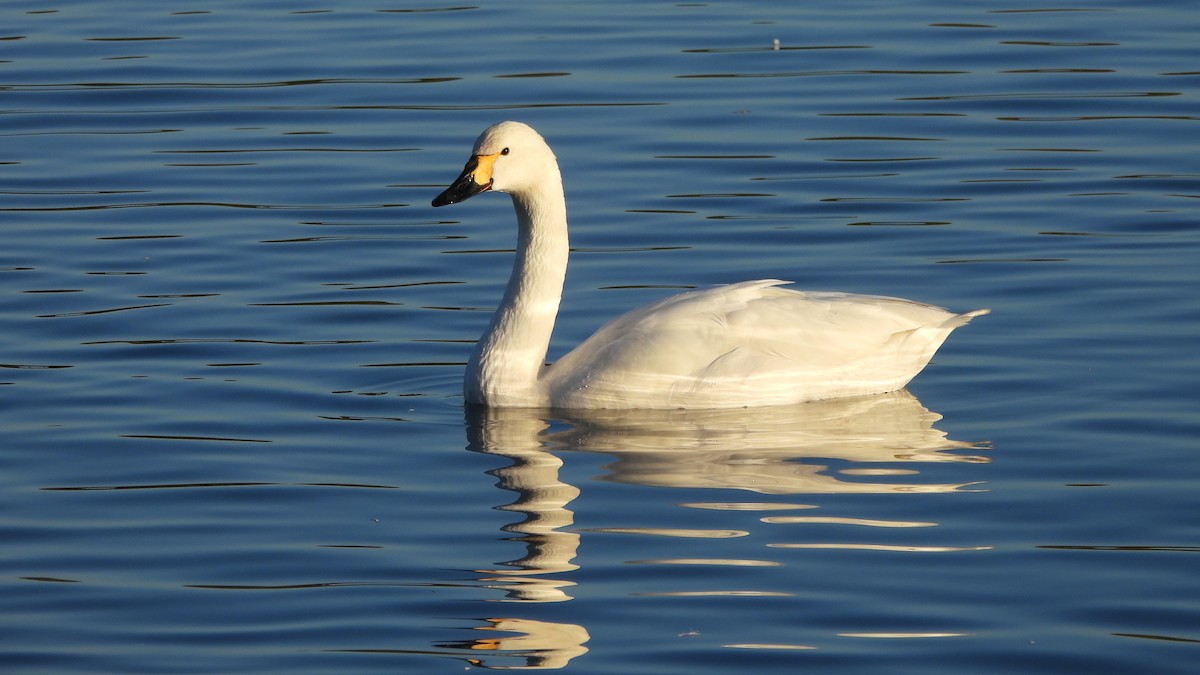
<point x="751" y="343"/>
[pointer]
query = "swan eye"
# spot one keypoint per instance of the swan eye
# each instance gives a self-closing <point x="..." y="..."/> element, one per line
<point x="504" y="151"/>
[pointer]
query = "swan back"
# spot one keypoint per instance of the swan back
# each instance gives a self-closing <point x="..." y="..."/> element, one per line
<point x="751" y="344"/>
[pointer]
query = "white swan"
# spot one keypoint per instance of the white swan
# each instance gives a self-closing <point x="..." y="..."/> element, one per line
<point x="746" y="344"/>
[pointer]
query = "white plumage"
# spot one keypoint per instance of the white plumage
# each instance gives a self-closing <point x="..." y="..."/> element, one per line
<point x="746" y="344"/>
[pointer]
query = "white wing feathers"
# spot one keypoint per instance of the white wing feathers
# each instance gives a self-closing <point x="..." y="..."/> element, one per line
<point x="698" y="348"/>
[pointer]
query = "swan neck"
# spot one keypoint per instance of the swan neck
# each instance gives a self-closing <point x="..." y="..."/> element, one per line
<point x="510" y="356"/>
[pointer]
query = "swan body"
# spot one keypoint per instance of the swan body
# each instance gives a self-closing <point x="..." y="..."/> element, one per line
<point x="752" y="343"/>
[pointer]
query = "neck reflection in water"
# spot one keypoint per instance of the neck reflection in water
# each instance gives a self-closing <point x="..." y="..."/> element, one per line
<point x="768" y="451"/>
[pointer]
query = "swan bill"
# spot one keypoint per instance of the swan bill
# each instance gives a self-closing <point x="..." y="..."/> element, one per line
<point x="476" y="177"/>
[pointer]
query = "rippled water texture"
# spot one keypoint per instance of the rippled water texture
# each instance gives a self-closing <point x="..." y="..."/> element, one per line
<point x="234" y="331"/>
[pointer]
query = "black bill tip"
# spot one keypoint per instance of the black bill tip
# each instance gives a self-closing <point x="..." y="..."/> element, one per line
<point x="464" y="187"/>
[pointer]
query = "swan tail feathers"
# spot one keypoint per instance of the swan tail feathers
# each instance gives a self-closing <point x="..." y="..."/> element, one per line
<point x="964" y="318"/>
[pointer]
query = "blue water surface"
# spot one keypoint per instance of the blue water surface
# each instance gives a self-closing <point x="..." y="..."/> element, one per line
<point x="234" y="330"/>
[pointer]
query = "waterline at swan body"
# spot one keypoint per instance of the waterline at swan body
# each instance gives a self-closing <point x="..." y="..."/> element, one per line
<point x="752" y="343"/>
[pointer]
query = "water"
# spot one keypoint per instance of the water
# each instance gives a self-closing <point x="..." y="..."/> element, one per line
<point x="234" y="331"/>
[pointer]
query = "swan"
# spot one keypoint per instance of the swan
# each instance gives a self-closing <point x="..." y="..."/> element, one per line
<point x="739" y="345"/>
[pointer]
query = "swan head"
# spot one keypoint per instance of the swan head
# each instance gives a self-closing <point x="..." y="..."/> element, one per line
<point x="507" y="157"/>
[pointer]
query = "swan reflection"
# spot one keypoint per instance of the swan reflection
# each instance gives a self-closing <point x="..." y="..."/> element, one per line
<point x="765" y="450"/>
<point x="541" y="644"/>
<point x="541" y="497"/>
<point x="771" y="450"/>
<point x="879" y="443"/>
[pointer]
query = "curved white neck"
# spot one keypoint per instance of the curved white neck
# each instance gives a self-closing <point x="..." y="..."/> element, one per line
<point x="509" y="357"/>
